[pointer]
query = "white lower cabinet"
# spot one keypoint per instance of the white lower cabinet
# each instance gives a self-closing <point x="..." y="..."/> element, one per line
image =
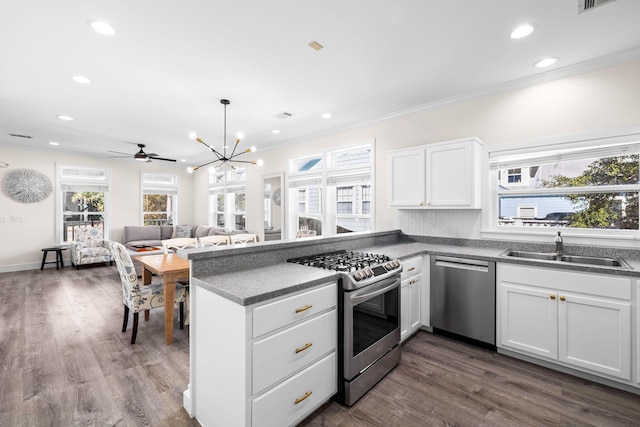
<point x="268" y="364"/>
<point x="410" y="297"/>
<point x="578" y="320"/>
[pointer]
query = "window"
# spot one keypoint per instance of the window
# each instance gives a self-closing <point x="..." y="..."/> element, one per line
<point x="331" y="192"/>
<point x="83" y="200"/>
<point x="159" y="199"/>
<point x="227" y="199"/>
<point x="587" y="186"/>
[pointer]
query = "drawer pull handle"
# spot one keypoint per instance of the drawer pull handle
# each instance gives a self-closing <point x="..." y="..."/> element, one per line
<point x="304" y="347"/>
<point x="562" y="298"/>
<point x="305" y="308"/>
<point x="411" y="269"/>
<point x="300" y="399"/>
<point x="552" y="296"/>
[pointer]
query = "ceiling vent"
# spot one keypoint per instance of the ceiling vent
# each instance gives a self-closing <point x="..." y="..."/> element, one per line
<point x="586" y="5"/>
<point x="283" y="115"/>
<point x="17" y="135"/>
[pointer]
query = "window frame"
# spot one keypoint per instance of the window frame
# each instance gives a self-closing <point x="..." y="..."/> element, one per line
<point x="100" y="182"/>
<point x="172" y="188"/>
<point x="329" y="178"/>
<point x="602" y="237"/>
<point x="225" y="187"/>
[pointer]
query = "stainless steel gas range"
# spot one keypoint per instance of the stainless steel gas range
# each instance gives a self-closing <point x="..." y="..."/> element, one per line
<point x="368" y="318"/>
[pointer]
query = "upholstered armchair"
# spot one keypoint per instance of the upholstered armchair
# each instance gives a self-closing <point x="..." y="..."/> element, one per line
<point x="89" y="248"/>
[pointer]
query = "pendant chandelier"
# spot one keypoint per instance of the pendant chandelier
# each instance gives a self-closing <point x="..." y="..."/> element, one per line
<point x="221" y="156"/>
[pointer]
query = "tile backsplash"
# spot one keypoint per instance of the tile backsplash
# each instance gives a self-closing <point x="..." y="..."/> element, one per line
<point x="454" y="223"/>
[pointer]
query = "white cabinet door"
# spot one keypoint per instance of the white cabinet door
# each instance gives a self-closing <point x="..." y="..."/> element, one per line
<point x="405" y="307"/>
<point x="414" y="304"/>
<point x="406" y="169"/>
<point x="595" y="334"/>
<point x="410" y="314"/>
<point x="528" y="320"/>
<point x="450" y="180"/>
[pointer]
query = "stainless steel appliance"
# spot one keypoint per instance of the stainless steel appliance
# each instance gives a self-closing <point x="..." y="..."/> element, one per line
<point x="368" y="318"/>
<point x="463" y="298"/>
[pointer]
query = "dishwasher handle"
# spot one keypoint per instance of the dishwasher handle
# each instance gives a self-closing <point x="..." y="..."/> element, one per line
<point x="462" y="264"/>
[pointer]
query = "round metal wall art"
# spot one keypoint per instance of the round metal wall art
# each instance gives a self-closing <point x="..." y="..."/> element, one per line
<point x="26" y="185"/>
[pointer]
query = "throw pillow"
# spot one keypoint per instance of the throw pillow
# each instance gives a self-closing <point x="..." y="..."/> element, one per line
<point x="181" y="231"/>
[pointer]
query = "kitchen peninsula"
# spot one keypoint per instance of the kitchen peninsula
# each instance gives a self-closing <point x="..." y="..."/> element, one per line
<point x="240" y="295"/>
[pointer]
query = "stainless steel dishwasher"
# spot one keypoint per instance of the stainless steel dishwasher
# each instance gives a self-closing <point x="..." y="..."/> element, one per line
<point x="463" y="298"/>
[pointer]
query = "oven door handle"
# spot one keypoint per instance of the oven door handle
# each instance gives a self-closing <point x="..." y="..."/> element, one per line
<point x="374" y="290"/>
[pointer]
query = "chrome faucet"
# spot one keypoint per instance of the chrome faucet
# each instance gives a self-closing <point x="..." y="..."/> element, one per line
<point x="559" y="244"/>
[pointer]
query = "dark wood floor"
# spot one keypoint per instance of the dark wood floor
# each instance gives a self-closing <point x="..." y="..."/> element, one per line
<point x="64" y="362"/>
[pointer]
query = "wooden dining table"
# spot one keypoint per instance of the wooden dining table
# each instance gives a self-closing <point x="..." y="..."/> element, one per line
<point x="170" y="267"/>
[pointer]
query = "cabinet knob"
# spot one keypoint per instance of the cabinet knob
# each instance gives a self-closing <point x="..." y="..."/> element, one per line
<point x="428" y="203"/>
<point x="421" y="203"/>
<point x="552" y="296"/>
<point x="562" y="298"/>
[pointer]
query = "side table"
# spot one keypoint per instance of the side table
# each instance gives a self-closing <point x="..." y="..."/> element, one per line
<point x="59" y="262"/>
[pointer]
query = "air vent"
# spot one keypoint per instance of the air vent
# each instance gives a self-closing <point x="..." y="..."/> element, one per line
<point x="283" y="115"/>
<point x="19" y="136"/>
<point x="586" y="5"/>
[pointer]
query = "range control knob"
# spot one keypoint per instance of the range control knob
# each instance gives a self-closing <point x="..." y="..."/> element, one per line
<point x="358" y="276"/>
<point x="368" y="272"/>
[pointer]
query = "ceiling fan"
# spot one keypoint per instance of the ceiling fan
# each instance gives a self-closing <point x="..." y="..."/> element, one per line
<point x="141" y="156"/>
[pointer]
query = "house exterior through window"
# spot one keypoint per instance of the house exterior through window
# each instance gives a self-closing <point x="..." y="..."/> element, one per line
<point x="159" y="199"/>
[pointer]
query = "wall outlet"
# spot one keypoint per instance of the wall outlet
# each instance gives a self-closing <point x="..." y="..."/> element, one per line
<point x="17" y="218"/>
<point x="3" y="218"/>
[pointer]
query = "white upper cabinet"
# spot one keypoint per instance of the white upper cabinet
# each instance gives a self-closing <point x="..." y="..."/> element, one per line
<point x="407" y="178"/>
<point x="439" y="176"/>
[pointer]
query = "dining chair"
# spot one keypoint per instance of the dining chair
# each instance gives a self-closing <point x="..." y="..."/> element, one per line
<point x="179" y="243"/>
<point x="138" y="298"/>
<point x="214" y="240"/>
<point x="243" y="238"/>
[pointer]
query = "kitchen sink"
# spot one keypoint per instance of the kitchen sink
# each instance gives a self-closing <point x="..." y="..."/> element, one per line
<point x="573" y="259"/>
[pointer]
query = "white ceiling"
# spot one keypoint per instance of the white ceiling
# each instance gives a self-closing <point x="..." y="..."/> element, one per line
<point x="163" y="73"/>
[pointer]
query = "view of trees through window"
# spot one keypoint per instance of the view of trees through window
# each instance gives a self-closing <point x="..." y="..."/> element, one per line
<point x="596" y="193"/>
<point x="157" y="209"/>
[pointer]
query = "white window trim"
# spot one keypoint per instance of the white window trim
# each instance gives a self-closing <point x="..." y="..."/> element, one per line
<point x="60" y="181"/>
<point x="175" y="187"/>
<point x="224" y="188"/>
<point x="323" y="175"/>
<point x="490" y="230"/>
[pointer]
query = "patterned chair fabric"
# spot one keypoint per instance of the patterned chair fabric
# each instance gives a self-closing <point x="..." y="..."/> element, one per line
<point x="90" y="248"/>
<point x="138" y="298"/>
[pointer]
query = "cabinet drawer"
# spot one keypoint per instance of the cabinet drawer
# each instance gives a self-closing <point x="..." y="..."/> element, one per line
<point x="411" y="266"/>
<point x="278" y="406"/>
<point x="285" y="352"/>
<point x="275" y="315"/>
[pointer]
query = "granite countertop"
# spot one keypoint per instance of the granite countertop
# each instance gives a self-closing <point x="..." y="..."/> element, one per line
<point x="246" y="286"/>
<point x="261" y="284"/>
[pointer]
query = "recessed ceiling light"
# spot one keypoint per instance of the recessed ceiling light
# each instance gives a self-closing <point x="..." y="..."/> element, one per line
<point x="65" y="118"/>
<point x="545" y="62"/>
<point x="327" y="116"/>
<point x="81" y="79"/>
<point x="183" y="160"/>
<point x="54" y="143"/>
<point x="522" y="31"/>
<point x="103" y="28"/>
<point x="275" y="131"/>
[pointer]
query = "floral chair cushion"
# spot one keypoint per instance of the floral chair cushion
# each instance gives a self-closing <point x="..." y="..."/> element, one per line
<point x="134" y="296"/>
<point x="89" y="247"/>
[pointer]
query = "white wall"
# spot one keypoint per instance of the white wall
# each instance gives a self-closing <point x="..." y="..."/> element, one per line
<point x="607" y="98"/>
<point x="22" y="241"/>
